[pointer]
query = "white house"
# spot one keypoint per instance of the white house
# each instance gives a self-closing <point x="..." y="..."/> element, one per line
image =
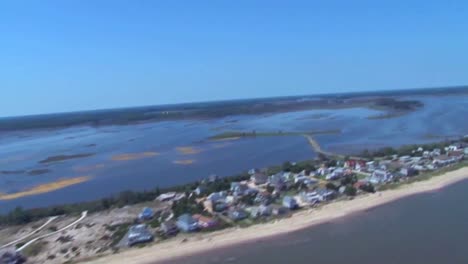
<point x="380" y="176"/>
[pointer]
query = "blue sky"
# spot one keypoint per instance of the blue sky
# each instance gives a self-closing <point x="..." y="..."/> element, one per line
<point x="58" y="56"/>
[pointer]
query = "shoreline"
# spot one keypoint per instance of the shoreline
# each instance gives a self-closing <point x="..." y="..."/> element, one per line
<point x="201" y="242"/>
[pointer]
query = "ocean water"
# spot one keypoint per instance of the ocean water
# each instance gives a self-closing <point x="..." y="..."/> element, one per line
<point x="429" y="228"/>
<point x="184" y="154"/>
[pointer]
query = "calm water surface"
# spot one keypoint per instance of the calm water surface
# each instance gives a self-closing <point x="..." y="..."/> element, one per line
<point x="440" y="118"/>
<point x="430" y="228"/>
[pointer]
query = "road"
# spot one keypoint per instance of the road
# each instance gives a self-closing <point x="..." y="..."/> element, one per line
<point x="83" y="215"/>
<point x="316" y="146"/>
<point x="30" y="234"/>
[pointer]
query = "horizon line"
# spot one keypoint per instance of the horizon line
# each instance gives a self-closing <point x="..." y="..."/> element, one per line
<point x="235" y="99"/>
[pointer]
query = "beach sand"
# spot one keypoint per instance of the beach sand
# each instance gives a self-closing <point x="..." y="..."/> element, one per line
<point x="204" y="242"/>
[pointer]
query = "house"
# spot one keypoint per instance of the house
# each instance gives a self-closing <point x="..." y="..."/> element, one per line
<point x="259" y="178"/>
<point x="213" y="178"/>
<point x="443" y="160"/>
<point x="187" y="223"/>
<point x="436" y="152"/>
<point x="360" y="165"/>
<point x="277" y="181"/>
<point x="264" y="210"/>
<point x="200" y="190"/>
<point x="238" y="189"/>
<point x="138" y="234"/>
<point x="218" y="206"/>
<point x="279" y="210"/>
<point x="217" y="196"/>
<point x="426" y="154"/>
<point x="290" y="202"/>
<point x="350" y="164"/>
<point x="380" y="176"/>
<point x="326" y="194"/>
<point x="253" y="171"/>
<point x="310" y="197"/>
<point x="336" y="174"/>
<point x="456" y="155"/>
<point x="355" y="164"/>
<point x="205" y="222"/>
<point x="405" y="158"/>
<point x="300" y="178"/>
<point x="166" y="197"/>
<point x="169" y="228"/>
<point x="322" y="171"/>
<point x="359" y="184"/>
<point x="408" y="172"/>
<point x="452" y="148"/>
<point x="371" y="165"/>
<point x="342" y="189"/>
<point x="146" y="214"/>
<point x="237" y="214"/>
<point x="263" y="198"/>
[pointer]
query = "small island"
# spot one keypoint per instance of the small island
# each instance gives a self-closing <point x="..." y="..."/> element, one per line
<point x="59" y="158"/>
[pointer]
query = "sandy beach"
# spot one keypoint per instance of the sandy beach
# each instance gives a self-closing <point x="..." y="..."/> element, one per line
<point x="303" y="219"/>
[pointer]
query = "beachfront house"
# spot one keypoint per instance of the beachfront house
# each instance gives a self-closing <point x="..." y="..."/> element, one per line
<point x="443" y="160"/>
<point x="146" y="214"/>
<point x="279" y="210"/>
<point x="380" y="176"/>
<point x="290" y="202"/>
<point x="138" y="234"/>
<point x="326" y="194"/>
<point x="187" y="223"/>
<point x="310" y="197"/>
<point x="408" y="172"/>
<point x="237" y="214"/>
<point x="205" y="222"/>
<point x="169" y="228"/>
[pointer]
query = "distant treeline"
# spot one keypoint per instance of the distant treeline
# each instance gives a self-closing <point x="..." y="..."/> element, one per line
<point x="382" y="100"/>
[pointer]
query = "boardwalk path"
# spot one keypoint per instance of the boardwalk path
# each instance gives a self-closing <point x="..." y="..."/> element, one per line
<point x="30" y="234"/>
<point x="83" y="215"/>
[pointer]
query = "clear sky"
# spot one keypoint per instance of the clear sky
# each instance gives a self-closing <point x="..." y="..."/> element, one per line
<point x="58" y="56"/>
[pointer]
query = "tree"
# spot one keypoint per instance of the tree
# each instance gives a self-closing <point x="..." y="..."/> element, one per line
<point x="287" y="166"/>
<point x="368" y="188"/>
<point x="350" y="190"/>
<point x="331" y="186"/>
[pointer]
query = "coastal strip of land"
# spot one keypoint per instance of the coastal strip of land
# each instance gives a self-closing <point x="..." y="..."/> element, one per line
<point x="245" y="134"/>
<point x="300" y="220"/>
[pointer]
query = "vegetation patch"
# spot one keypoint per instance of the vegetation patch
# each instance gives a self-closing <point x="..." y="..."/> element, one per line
<point x="65" y="157"/>
<point x="245" y="134"/>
